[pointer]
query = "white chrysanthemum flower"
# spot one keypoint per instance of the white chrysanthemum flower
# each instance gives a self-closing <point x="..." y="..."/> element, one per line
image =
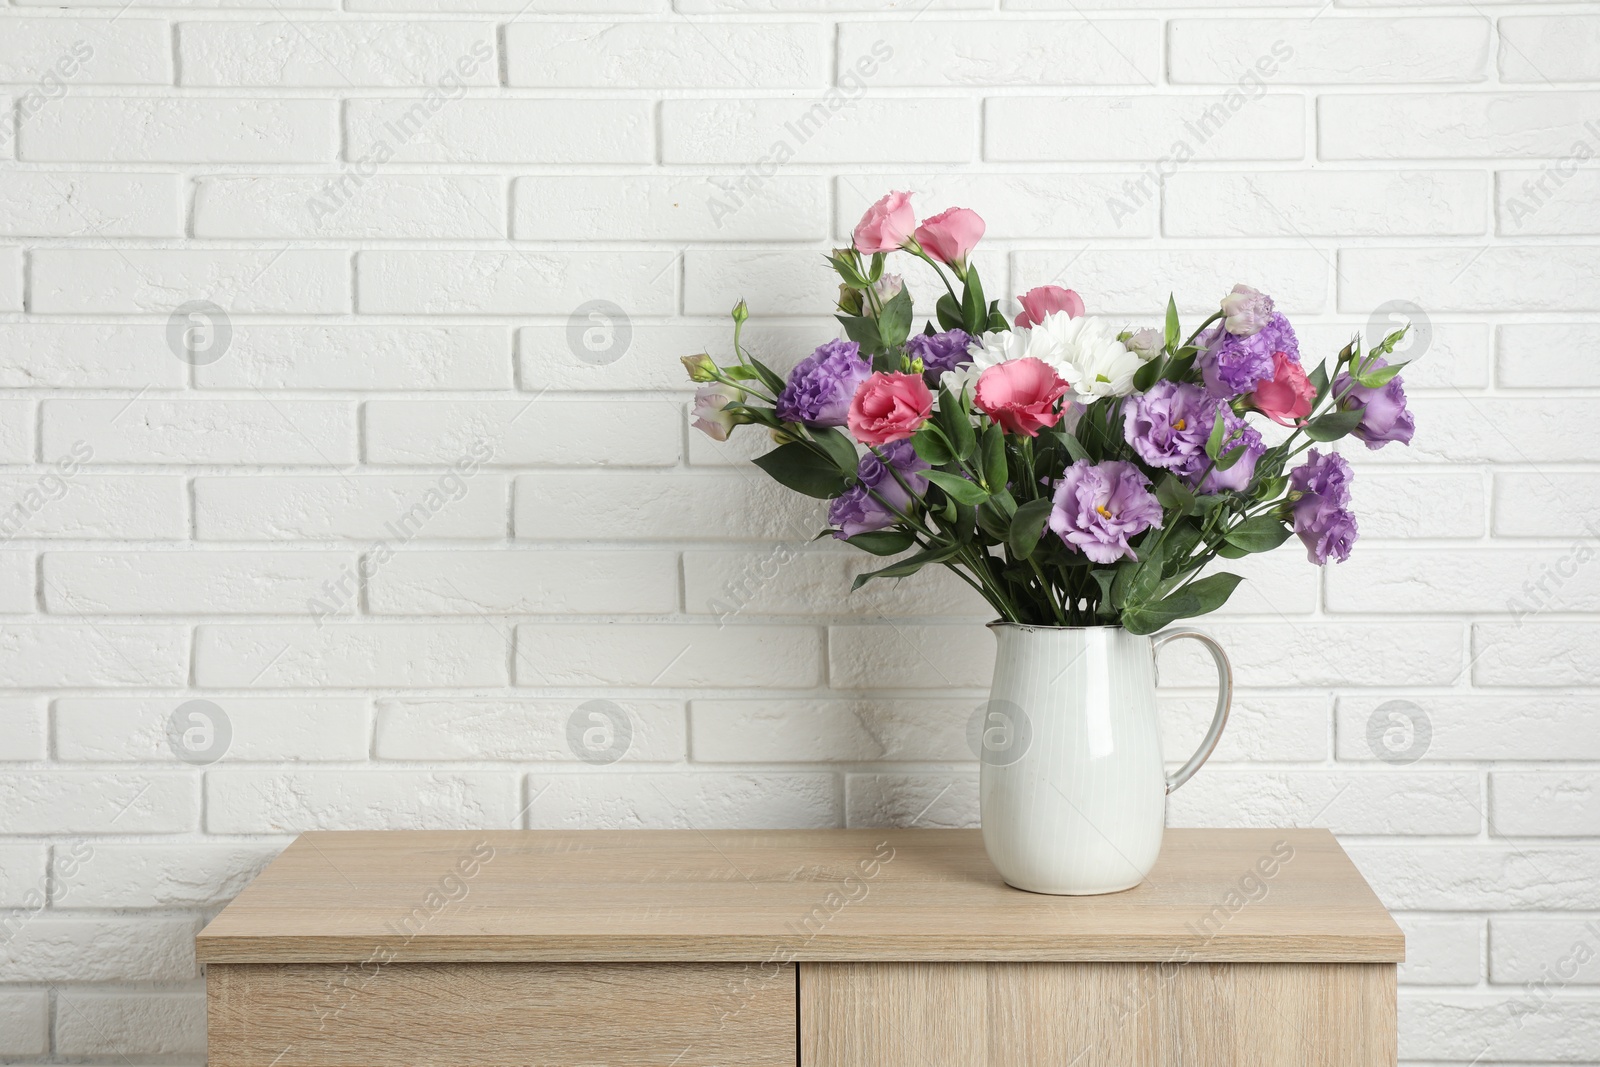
<point x="1002" y="347"/>
<point x="1091" y="358"/>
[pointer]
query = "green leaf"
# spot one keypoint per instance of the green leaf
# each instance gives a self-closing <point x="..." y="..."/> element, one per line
<point x="1272" y="488"/>
<point x="957" y="488"/>
<point x="1174" y="332"/>
<point x="769" y="378"/>
<point x="886" y="361"/>
<point x="1147" y="375"/>
<point x="862" y="330"/>
<point x="1262" y="533"/>
<point x="883" y="542"/>
<point x="1380" y="377"/>
<point x="956" y="424"/>
<point x="929" y="443"/>
<point x="1173" y="494"/>
<point x="1103" y="577"/>
<point x="993" y="520"/>
<point x="765" y="416"/>
<point x="1219" y="431"/>
<point x="1027" y="527"/>
<point x="803" y="470"/>
<point x="1073" y="446"/>
<point x="1319" y="381"/>
<point x="908" y="566"/>
<point x="948" y="311"/>
<point x="839" y="447"/>
<point x="1333" y="425"/>
<point x="875" y="270"/>
<point x="1197" y="598"/>
<point x="848" y="272"/>
<point x="974" y="309"/>
<point x="1230" y="457"/>
<point x="992" y="449"/>
<point x="997" y="321"/>
<point x="894" y="321"/>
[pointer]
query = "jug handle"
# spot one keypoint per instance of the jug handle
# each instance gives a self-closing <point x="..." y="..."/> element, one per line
<point x="1224" y="701"/>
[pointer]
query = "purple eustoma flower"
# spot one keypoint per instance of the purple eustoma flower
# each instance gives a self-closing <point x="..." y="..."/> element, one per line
<point x="1098" y="506"/>
<point x="1321" y="516"/>
<point x="1384" y="415"/>
<point x="822" y="385"/>
<point x="1232" y="365"/>
<point x="1240" y="434"/>
<point x="1168" y="427"/>
<point x="871" y="503"/>
<point x="1246" y="310"/>
<point x="939" y="352"/>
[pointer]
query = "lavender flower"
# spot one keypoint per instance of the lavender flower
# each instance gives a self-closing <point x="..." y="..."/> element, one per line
<point x="1245" y="311"/>
<point x="1232" y="365"/>
<point x="1321" y="517"/>
<point x="939" y="352"/>
<point x="1240" y="434"/>
<point x="1384" y="415"/>
<point x="1099" y="506"/>
<point x="871" y="503"/>
<point x="1168" y="426"/>
<point x="821" y="386"/>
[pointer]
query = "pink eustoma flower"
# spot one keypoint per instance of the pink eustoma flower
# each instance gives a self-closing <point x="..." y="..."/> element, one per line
<point x="950" y="235"/>
<point x="889" y="407"/>
<point x="1020" y="395"/>
<point x="1286" y="397"/>
<point x="1047" y="300"/>
<point x="887" y="225"/>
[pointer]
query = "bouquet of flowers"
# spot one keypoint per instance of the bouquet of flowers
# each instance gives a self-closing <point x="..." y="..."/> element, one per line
<point x="1070" y="473"/>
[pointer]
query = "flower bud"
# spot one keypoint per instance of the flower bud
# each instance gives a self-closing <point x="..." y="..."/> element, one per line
<point x="740" y="312"/>
<point x="701" y="368"/>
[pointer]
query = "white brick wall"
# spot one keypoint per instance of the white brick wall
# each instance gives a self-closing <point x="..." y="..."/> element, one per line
<point x="431" y="532"/>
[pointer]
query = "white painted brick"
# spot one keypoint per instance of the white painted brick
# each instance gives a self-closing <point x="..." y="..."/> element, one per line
<point x="1535" y="653"/>
<point x="10" y="271"/>
<point x="366" y="358"/>
<point x="187" y="4"/>
<point x="122" y="729"/>
<point x="347" y="655"/>
<point x="1070" y="52"/>
<point x="839" y="126"/>
<point x="1552" y="726"/>
<point x="16" y="583"/>
<point x="1452" y="430"/>
<point x="1115" y="281"/>
<point x="1555" y="949"/>
<point x="1496" y="278"/>
<point x="16" y="437"/>
<point x="523" y="581"/>
<point x="87" y="355"/>
<point x="1311" y="654"/>
<point x="1441" y="950"/>
<point x="281" y="282"/>
<point x="91" y="507"/>
<point x="1013" y="204"/>
<point x="1261" y="726"/>
<point x="560" y="358"/>
<point x="1452" y="125"/>
<point x="1075" y="5"/>
<point x="1144" y="128"/>
<point x="240" y="801"/>
<point x="1483" y="877"/>
<point x="85" y="129"/>
<point x="8" y="128"/>
<point x="189" y="875"/>
<point x="85" y="52"/>
<point x="934" y="801"/>
<point x="1544" y="804"/>
<point x="769" y="282"/>
<point x="337" y="54"/>
<point x="1535" y="504"/>
<point x="1554" y="202"/>
<point x="514" y="283"/>
<point x="713" y="207"/>
<point x="23" y="879"/>
<point x="830" y="730"/>
<point x="100" y="802"/>
<point x="1446" y="355"/>
<point x="92" y="1023"/>
<point x="669" y="655"/>
<point x="1385" y="801"/>
<point x="697" y="800"/>
<point x="1283" y="203"/>
<point x="526" y="432"/>
<point x="25" y="1023"/>
<point x="479" y="130"/>
<point x="1427" y="580"/>
<point x="386" y="206"/>
<point x="521" y="730"/>
<point x="23" y="735"/>
<point x="1461" y="1026"/>
<point x="1337" y="51"/>
<point x="92" y="653"/>
<point x="185" y="583"/>
<point x="787" y="580"/>
<point x="1276" y="584"/>
<point x="515" y="7"/>
<point x="391" y="508"/>
<point x="818" y="6"/>
<point x="318" y="433"/>
<point x="559" y="506"/>
<point x="667" y="55"/>
<point x="1549" y="48"/>
<point x="911" y="656"/>
<point x="61" y="204"/>
<point x="52" y="949"/>
<point x="1539" y="355"/>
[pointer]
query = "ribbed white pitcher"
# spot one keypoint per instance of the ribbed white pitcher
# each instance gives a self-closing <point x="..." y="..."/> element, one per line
<point x="1072" y="787"/>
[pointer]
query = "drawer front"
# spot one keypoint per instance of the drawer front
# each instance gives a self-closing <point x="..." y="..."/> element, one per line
<point x="510" y="1014"/>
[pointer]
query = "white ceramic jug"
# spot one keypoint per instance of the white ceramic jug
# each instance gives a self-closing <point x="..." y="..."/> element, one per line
<point x="1072" y="787"/>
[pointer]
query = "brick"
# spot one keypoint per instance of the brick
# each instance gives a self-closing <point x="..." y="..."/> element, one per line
<point x="1012" y="204"/>
<point x="85" y="52"/>
<point x="1533" y="504"/>
<point x="181" y="130"/>
<point x="1481" y="877"/>
<point x="559" y="506"/>
<point x="996" y="52"/>
<point x="697" y="800"/>
<point x="379" y="207"/>
<point x="1283" y="203"/>
<point x="1442" y="950"/>
<point x="911" y="656"/>
<point x="521" y="730"/>
<point x="23" y="878"/>
<point x="1551" y="203"/>
<point x="1535" y="653"/>
<point x="318" y="433"/>
<point x="240" y="801"/>
<point x="101" y="950"/>
<point x="1270" y="727"/>
<point x="830" y="730"/>
<point x="16" y="583"/>
<point x="61" y="204"/>
<point x="1452" y="125"/>
<point x="1525" y="430"/>
<point x="818" y="129"/>
<point x="478" y="130"/>
<point x="23" y="735"/>
<point x="1461" y="1026"/>
<point x="770" y="282"/>
<point x="91" y="507"/>
<point x="92" y="654"/>
<point x="1441" y="355"/>
<point x="1144" y="128"/>
<point x="157" y="281"/>
<point x="1554" y="949"/>
<point x="1430" y="581"/>
<point x="1385" y="801"/>
<point x="187" y="583"/>
<point x="394" y="508"/>
<point x="337" y="54"/>
<point x="190" y="875"/>
<point x="666" y="55"/>
<point x="166" y="4"/>
<point x="726" y="207"/>
<point x="1301" y="653"/>
<point x="1544" y="804"/>
<point x="25" y="1023"/>
<point x="525" y="432"/>
<point x="668" y="655"/>
<point x="1277" y="584"/>
<point x="741" y="7"/>
<point x="10" y="270"/>
<point x="363" y="358"/>
<point x="563" y="358"/>
<point x="1355" y="51"/>
<point x="134" y="729"/>
<point x="16" y="434"/>
<point x="513" y="283"/>
<point x="92" y="1023"/>
<point x="1075" y="5"/>
<point x="788" y="580"/>
<point x="1539" y="356"/>
<point x="515" y="7"/>
<point x="1549" y="48"/>
<point x="100" y="802"/>
<point x="935" y="801"/>
<point x="1554" y="726"/>
<point x="348" y="655"/>
<point x="1114" y="281"/>
<point x="49" y="355"/>
<point x="523" y="582"/>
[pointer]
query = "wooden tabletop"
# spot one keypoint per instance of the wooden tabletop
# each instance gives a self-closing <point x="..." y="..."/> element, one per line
<point x="786" y="895"/>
